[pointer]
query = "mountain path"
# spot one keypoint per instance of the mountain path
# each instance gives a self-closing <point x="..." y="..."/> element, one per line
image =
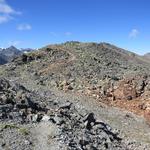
<point x="42" y="134"/>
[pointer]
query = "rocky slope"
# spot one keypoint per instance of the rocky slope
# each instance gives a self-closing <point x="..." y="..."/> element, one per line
<point x="33" y="104"/>
<point x="46" y="119"/>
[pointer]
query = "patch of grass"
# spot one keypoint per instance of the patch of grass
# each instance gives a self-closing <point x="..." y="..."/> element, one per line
<point x="5" y="126"/>
<point x="24" y="131"/>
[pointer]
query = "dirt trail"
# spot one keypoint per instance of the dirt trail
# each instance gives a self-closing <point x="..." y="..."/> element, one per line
<point x="42" y="134"/>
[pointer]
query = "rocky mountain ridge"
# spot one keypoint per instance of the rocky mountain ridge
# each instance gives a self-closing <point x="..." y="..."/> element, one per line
<point x="63" y="96"/>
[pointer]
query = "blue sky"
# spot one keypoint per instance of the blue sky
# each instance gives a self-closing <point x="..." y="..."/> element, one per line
<point x="36" y="23"/>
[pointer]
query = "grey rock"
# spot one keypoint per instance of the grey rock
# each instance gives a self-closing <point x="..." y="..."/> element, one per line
<point x="66" y="105"/>
<point x="45" y="118"/>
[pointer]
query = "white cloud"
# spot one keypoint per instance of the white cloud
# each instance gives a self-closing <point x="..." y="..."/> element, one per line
<point x="6" y="9"/>
<point x="134" y="33"/>
<point x="6" y="12"/>
<point x="68" y="33"/>
<point x="22" y="27"/>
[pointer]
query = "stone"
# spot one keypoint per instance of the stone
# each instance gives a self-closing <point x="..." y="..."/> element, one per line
<point x="35" y="118"/>
<point x="90" y="121"/>
<point x="129" y="97"/>
<point x="45" y="118"/>
<point x="66" y="105"/>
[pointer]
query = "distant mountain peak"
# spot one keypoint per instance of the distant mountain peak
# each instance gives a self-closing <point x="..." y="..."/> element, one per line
<point x="12" y="47"/>
<point x="8" y="54"/>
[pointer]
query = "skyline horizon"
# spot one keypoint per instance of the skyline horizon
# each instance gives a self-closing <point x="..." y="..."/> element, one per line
<point x="100" y="42"/>
<point x="122" y="23"/>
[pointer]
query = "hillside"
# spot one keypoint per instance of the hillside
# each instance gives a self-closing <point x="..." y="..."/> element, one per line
<point x="87" y="96"/>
